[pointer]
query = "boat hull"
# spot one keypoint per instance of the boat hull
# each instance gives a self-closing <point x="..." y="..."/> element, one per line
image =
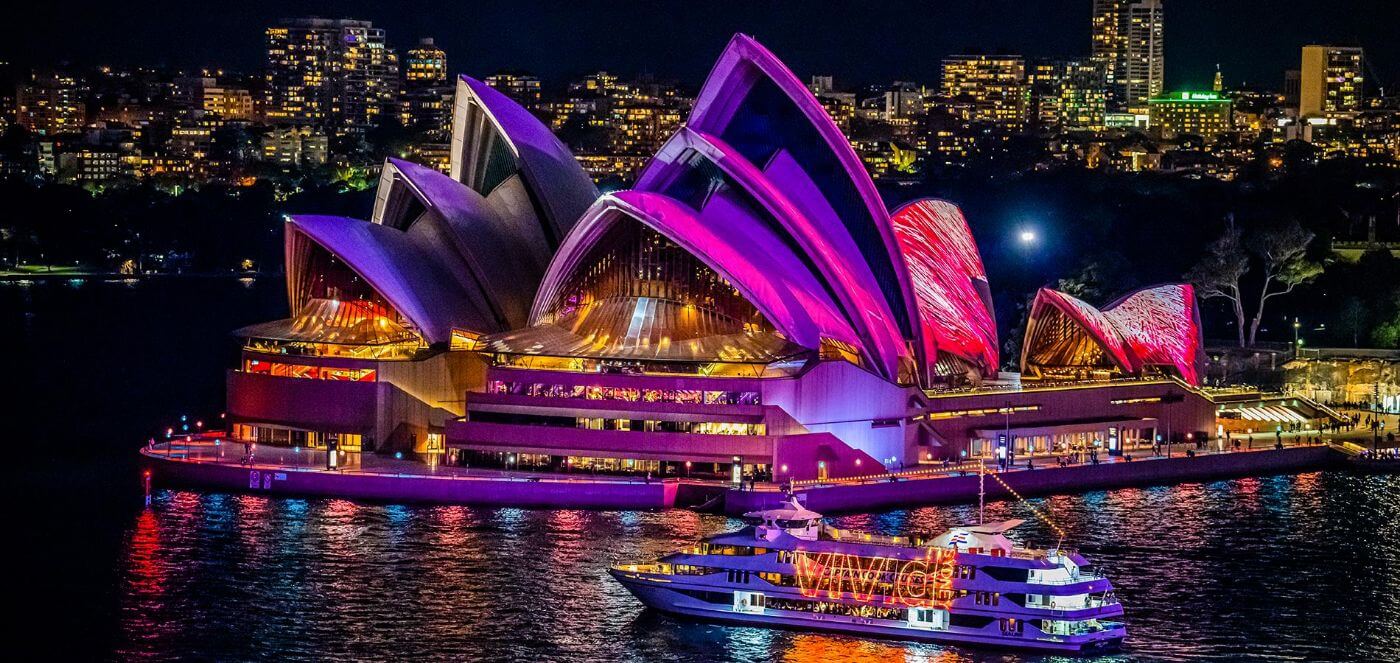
<point x="657" y="595"/>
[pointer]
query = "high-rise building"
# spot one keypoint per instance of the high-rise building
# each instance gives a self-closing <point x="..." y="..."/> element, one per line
<point x="640" y="126"/>
<point x="523" y="88"/>
<point x="338" y="73"/>
<point x="903" y="100"/>
<point x="991" y="88"/>
<point x="1145" y="58"/>
<point x="295" y="146"/>
<point x="368" y="78"/>
<point x="1068" y="93"/>
<point x="1205" y="114"/>
<point x="1292" y="86"/>
<point x="8" y="85"/>
<point x="841" y="106"/>
<point x="428" y="111"/>
<point x="425" y="64"/>
<point x="1330" y="81"/>
<point x="51" y="103"/>
<point x="204" y="94"/>
<point x="1127" y="40"/>
<point x="230" y="103"/>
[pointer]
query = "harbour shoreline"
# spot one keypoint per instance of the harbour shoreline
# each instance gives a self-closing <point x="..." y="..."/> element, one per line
<point x="545" y="490"/>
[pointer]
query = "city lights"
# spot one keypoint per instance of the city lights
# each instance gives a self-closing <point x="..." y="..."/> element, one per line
<point x="567" y="356"/>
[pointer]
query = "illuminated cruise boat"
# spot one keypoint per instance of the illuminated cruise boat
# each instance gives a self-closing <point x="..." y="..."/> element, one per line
<point x="971" y="585"/>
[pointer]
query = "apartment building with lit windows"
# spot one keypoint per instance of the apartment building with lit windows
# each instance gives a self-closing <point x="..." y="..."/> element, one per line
<point x="1331" y="81"/>
<point x="994" y="87"/>
<point x="334" y="73"/>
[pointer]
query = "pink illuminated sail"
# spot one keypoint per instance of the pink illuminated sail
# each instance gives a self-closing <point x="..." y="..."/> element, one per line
<point x="1150" y="327"/>
<point x="949" y="282"/>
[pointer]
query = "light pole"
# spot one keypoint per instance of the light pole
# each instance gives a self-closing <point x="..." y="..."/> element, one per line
<point x="1296" y="345"/>
<point x="1010" y="446"/>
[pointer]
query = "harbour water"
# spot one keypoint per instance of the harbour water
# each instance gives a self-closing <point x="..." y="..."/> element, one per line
<point x="1285" y="568"/>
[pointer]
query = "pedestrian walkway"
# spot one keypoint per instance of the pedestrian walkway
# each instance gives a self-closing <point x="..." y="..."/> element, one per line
<point x="267" y="457"/>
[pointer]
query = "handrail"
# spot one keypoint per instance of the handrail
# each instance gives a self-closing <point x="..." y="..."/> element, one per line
<point x="151" y="453"/>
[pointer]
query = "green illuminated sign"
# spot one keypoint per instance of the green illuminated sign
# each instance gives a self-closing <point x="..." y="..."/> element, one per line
<point x="1192" y="96"/>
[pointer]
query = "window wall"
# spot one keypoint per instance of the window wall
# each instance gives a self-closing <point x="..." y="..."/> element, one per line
<point x="288" y="370"/>
<point x="638" y="425"/>
<point x="626" y="394"/>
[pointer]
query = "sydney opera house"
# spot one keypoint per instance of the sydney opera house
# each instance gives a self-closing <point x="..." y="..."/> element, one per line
<point x="750" y="307"/>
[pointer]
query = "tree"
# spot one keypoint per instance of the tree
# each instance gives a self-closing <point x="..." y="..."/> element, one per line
<point x="1219" y="272"/>
<point x="1281" y="253"/>
<point x="1353" y="318"/>
<point x="1386" y="333"/>
<point x="1099" y="277"/>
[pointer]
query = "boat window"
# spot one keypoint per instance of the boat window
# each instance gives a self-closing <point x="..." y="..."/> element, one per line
<point x="1012" y="626"/>
<point x="969" y="621"/>
<point x="750" y="602"/>
<point x="1008" y="574"/>
<point x="929" y="618"/>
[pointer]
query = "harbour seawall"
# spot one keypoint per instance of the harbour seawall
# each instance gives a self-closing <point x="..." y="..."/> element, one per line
<point x="1048" y="481"/>
<point x="484" y="491"/>
<point x="584" y="493"/>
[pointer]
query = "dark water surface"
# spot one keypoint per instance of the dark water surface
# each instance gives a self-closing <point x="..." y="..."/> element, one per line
<point x="1290" y="568"/>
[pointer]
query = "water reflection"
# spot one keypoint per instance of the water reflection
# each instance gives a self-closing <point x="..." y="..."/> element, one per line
<point x="1288" y="568"/>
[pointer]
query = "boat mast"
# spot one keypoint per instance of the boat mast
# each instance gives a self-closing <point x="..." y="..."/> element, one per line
<point x="981" y="489"/>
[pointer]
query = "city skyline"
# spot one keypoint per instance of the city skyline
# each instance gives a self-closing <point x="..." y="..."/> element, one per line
<point x="610" y="330"/>
<point x="1202" y="35"/>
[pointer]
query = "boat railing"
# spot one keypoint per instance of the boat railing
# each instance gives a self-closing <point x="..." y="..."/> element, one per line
<point x="1027" y="553"/>
<point x="1074" y="579"/>
<point x="1040" y="554"/>
<point x="1089" y="603"/>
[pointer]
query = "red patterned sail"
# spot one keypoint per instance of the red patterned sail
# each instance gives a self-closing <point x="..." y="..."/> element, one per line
<point x="949" y="282"/>
<point x="1161" y="326"/>
<point x="1157" y="326"/>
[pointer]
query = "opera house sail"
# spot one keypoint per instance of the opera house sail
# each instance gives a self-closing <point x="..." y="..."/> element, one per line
<point x="365" y="362"/>
<point x="748" y="308"/>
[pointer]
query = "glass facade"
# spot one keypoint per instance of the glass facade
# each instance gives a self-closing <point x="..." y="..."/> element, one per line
<point x="613" y="424"/>
<point x="285" y="370"/>
<point x="628" y="394"/>
<point x="634" y="261"/>
<point x="1076" y="445"/>
<point x="295" y="437"/>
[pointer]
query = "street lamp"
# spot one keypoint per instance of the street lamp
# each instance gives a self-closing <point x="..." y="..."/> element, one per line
<point x="1026" y="236"/>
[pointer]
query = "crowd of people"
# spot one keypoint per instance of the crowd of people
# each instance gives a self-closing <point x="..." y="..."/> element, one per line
<point x="1392" y="453"/>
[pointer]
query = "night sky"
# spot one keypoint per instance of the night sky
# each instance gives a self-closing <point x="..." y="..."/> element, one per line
<point x="866" y="41"/>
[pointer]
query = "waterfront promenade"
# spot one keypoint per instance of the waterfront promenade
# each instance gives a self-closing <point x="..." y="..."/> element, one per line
<point x="211" y="463"/>
<point x="217" y="464"/>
